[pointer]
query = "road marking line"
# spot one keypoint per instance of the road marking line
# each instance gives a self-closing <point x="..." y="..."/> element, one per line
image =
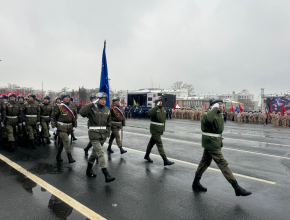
<point x="214" y="169"/>
<point x="226" y="138"/>
<point x="65" y="198"/>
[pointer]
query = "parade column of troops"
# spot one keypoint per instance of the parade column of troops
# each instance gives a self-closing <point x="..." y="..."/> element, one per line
<point x="25" y="122"/>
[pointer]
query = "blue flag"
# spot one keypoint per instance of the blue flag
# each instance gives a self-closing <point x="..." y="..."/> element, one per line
<point x="237" y="109"/>
<point x="104" y="83"/>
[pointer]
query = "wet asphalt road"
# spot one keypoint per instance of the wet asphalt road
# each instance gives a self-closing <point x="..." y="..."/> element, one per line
<point x="152" y="191"/>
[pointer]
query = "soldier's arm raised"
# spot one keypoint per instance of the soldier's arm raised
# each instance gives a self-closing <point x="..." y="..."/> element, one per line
<point x="85" y="110"/>
<point x="152" y="111"/>
<point x="209" y="117"/>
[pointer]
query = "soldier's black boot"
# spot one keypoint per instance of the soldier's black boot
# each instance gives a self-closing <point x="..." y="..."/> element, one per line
<point x="70" y="158"/>
<point x="166" y="161"/>
<point x="90" y="171"/>
<point x="197" y="186"/>
<point x="58" y="156"/>
<point x="146" y="157"/>
<point x="110" y="149"/>
<point x="38" y="141"/>
<point x="108" y="178"/>
<point x="239" y="190"/>
<point x="42" y="141"/>
<point x="47" y="140"/>
<point x="86" y="149"/>
<point x="32" y="144"/>
<point x="122" y="151"/>
<point x="11" y="146"/>
<point x="55" y="137"/>
<point x="73" y="137"/>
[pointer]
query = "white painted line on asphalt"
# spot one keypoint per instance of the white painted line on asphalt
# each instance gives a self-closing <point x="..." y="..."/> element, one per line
<point x="65" y="198"/>
<point x="226" y="138"/>
<point x="193" y="164"/>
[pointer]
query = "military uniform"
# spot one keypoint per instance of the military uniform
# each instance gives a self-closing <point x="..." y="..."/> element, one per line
<point x="45" y="118"/>
<point x="157" y="116"/>
<point x="64" y="121"/>
<point x="31" y="118"/>
<point x="118" y="121"/>
<point x="11" y="117"/>
<point x="99" y="124"/>
<point x="212" y="126"/>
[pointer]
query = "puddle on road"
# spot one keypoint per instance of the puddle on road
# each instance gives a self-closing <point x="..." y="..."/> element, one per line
<point x="55" y="206"/>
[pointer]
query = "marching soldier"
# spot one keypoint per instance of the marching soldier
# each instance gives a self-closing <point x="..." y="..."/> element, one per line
<point x="11" y="117"/>
<point x="3" y="101"/>
<point x="31" y="118"/>
<point x="21" y="128"/>
<point x="45" y="117"/>
<point x="157" y="127"/>
<point x="72" y="103"/>
<point x="99" y="124"/>
<point x="212" y="126"/>
<point x="118" y="121"/>
<point x="63" y="121"/>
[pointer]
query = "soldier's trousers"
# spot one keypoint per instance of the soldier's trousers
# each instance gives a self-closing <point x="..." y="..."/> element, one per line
<point x="65" y="141"/>
<point x="115" y="134"/>
<point x="30" y="130"/>
<point x="44" y="129"/>
<point x="98" y="152"/>
<point x="218" y="157"/>
<point x="156" y="139"/>
<point x="11" y="130"/>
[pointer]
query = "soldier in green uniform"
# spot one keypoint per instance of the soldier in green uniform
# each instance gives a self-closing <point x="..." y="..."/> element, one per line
<point x="99" y="129"/>
<point x="21" y="128"/>
<point x="157" y="116"/>
<point x="118" y="121"/>
<point x="212" y="126"/>
<point x="45" y="117"/>
<point x="4" y="99"/>
<point x="11" y="116"/>
<point x="72" y="103"/>
<point x="63" y="121"/>
<point x="57" y="102"/>
<point x="31" y="118"/>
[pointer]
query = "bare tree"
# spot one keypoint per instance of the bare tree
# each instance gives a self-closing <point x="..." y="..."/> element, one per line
<point x="180" y="85"/>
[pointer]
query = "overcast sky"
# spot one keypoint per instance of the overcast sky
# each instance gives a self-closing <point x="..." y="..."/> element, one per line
<point x="218" y="46"/>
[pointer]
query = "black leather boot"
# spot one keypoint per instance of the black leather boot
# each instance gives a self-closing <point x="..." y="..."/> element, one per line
<point x="38" y="141"/>
<point x="32" y="144"/>
<point x="108" y="178"/>
<point x="58" y="156"/>
<point x="146" y="157"/>
<point x="197" y="186"/>
<point x="55" y="137"/>
<point x="122" y="151"/>
<point x="86" y="149"/>
<point x="47" y="140"/>
<point x="73" y="137"/>
<point x="70" y="158"/>
<point x="166" y="161"/>
<point x="11" y="146"/>
<point x="90" y="171"/>
<point x="110" y="149"/>
<point x="239" y="190"/>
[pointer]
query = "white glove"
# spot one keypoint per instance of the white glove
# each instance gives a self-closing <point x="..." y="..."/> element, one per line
<point x="95" y="101"/>
<point x="74" y="128"/>
<point x="23" y="123"/>
<point x="20" y="124"/>
<point x="2" y="124"/>
<point x="38" y="123"/>
<point x="158" y="103"/>
<point x="216" y="105"/>
<point x="55" y="129"/>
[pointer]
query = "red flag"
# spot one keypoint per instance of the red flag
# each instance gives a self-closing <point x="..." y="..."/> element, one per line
<point x="205" y="106"/>
<point x="17" y="93"/>
<point x="37" y="95"/>
<point x="283" y="110"/>
<point x="191" y="105"/>
<point x="23" y="94"/>
<point x="240" y="107"/>
<point x="270" y="110"/>
<point x="0" y="93"/>
<point x="173" y="105"/>
<point x="232" y="108"/>
<point x="42" y="96"/>
<point x="177" y="102"/>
